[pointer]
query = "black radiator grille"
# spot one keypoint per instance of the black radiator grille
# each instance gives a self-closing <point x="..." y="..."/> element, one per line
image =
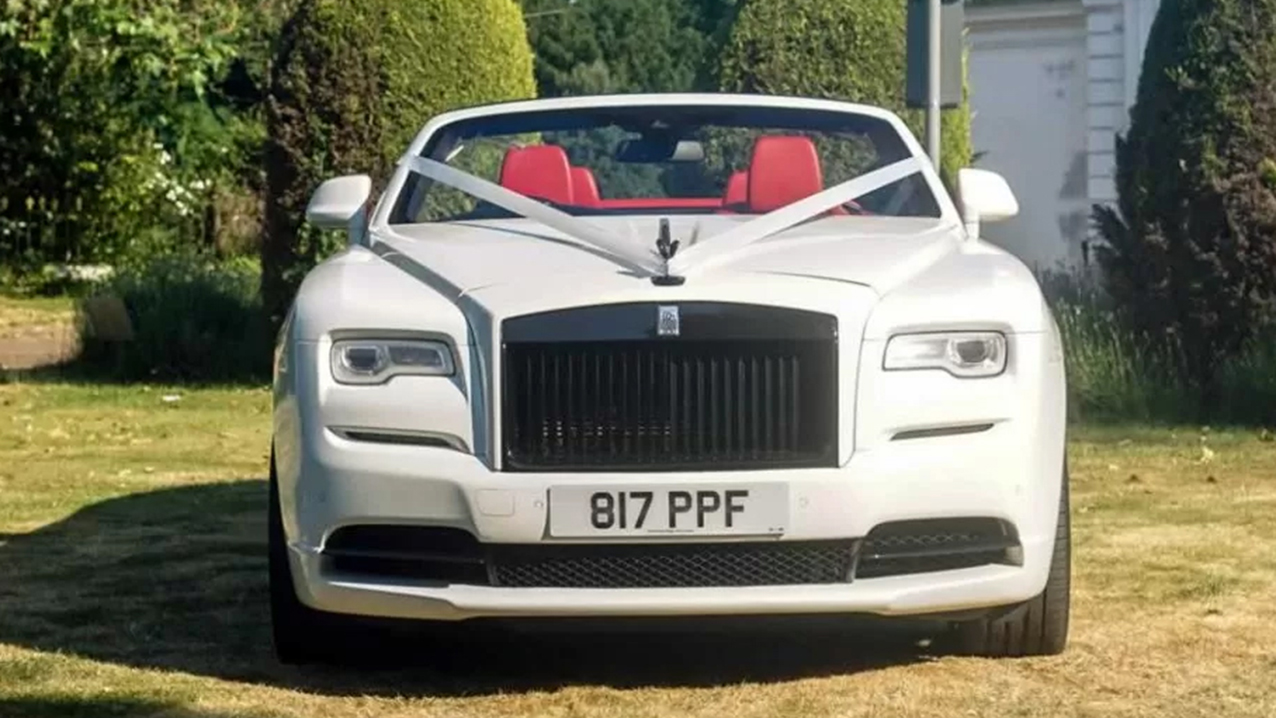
<point x="724" y="404"/>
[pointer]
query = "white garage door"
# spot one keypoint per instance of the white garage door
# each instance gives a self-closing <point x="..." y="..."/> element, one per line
<point x="1028" y="85"/>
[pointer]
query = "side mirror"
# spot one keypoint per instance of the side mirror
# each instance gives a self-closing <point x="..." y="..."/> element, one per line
<point x="341" y="203"/>
<point x="985" y="197"/>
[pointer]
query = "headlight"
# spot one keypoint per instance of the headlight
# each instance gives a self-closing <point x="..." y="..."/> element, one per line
<point x="374" y="361"/>
<point x="963" y="354"/>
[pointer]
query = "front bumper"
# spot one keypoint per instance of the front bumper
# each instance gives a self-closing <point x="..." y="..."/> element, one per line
<point x="995" y="474"/>
<point x="923" y="594"/>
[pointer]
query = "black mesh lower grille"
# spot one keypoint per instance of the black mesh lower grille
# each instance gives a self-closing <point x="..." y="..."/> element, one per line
<point x="908" y="547"/>
<point x="431" y="553"/>
<point x="673" y="565"/>
<point x="454" y="556"/>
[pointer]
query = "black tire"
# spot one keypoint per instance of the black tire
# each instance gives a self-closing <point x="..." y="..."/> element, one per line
<point x="1039" y="626"/>
<point x="300" y="634"/>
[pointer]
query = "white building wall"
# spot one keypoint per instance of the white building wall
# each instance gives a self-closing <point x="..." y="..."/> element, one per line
<point x="1117" y="35"/>
<point x="1028" y="99"/>
<point x="1052" y="83"/>
<point x="1107" y="92"/>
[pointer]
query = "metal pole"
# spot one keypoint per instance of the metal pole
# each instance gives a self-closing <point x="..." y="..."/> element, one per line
<point x="932" y="79"/>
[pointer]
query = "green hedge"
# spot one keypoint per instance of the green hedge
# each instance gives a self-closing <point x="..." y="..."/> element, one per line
<point x="835" y="49"/>
<point x="353" y="81"/>
<point x="1190" y="250"/>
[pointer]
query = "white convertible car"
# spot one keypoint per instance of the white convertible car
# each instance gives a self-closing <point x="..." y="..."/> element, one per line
<point x="669" y="355"/>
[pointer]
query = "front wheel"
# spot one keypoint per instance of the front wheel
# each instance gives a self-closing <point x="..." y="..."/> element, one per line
<point x="1039" y="626"/>
<point x="299" y="632"/>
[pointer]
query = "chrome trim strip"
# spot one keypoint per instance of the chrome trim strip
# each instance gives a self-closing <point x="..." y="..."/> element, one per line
<point x="408" y="437"/>
<point x="941" y="431"/>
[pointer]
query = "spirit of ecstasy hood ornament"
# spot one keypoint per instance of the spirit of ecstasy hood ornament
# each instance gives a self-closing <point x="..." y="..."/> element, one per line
<point x="665" y="247"/>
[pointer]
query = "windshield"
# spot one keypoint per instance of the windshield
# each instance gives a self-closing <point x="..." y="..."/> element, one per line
<point x="665" y="160"/>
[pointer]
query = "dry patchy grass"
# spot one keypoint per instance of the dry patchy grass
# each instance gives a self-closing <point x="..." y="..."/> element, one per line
<point x="27" y="314"/>
<point x="36" y="331"/>
<point x="132" y="583"/>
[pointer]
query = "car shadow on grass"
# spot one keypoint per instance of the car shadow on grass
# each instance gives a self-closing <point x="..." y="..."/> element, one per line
<point x="77" y="371"/>
<point x="175" y="579"/>
<point x="79" y="706"/>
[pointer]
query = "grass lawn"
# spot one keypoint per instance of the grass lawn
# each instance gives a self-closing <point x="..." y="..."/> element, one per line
<point x="132" y="583"/>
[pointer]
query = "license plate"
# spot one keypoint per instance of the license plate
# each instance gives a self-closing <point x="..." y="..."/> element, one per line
<point x="743" y="509"/>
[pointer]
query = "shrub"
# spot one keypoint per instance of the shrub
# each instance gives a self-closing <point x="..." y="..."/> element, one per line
<point x="193" y="318"/>
<point x="1191" y="243"/>
<point x="1114" y="374"/>
<point x="838" y="50"/>
<point x="111" y="126"/>
<point x="352" y="83"/>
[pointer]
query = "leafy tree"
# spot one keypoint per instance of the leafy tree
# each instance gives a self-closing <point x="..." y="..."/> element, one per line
<point x="1191" y="244"/>
<point x="110" y="133"/>
<point x="834" y="49"/>
<point x="352" y="82"/>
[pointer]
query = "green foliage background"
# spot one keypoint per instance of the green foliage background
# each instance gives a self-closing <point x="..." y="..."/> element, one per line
<point x="115" y="133"/>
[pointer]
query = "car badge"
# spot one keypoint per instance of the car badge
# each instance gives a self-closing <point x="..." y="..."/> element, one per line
<point x="668" y="323"/>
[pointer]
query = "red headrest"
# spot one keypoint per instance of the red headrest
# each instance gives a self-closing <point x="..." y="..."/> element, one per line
<point x="784" y="169"/>
<point x="584" y="188"/>
<point x="737" y="189"/>
<point x="540" y="171"/>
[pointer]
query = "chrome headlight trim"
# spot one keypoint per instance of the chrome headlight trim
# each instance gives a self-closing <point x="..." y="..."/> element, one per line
<point x="375" y="361"/>
<point x="963" y="354"/>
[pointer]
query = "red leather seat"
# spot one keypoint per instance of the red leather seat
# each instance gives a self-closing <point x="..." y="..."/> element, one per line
<point x="737" y="192"/>
<point x="540" y="171"/>
<point x="585" y="187"/>
<point x="784" y="169"/>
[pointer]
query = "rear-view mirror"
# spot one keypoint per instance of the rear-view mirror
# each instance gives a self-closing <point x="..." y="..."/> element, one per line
<point x="654" y="150"/>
